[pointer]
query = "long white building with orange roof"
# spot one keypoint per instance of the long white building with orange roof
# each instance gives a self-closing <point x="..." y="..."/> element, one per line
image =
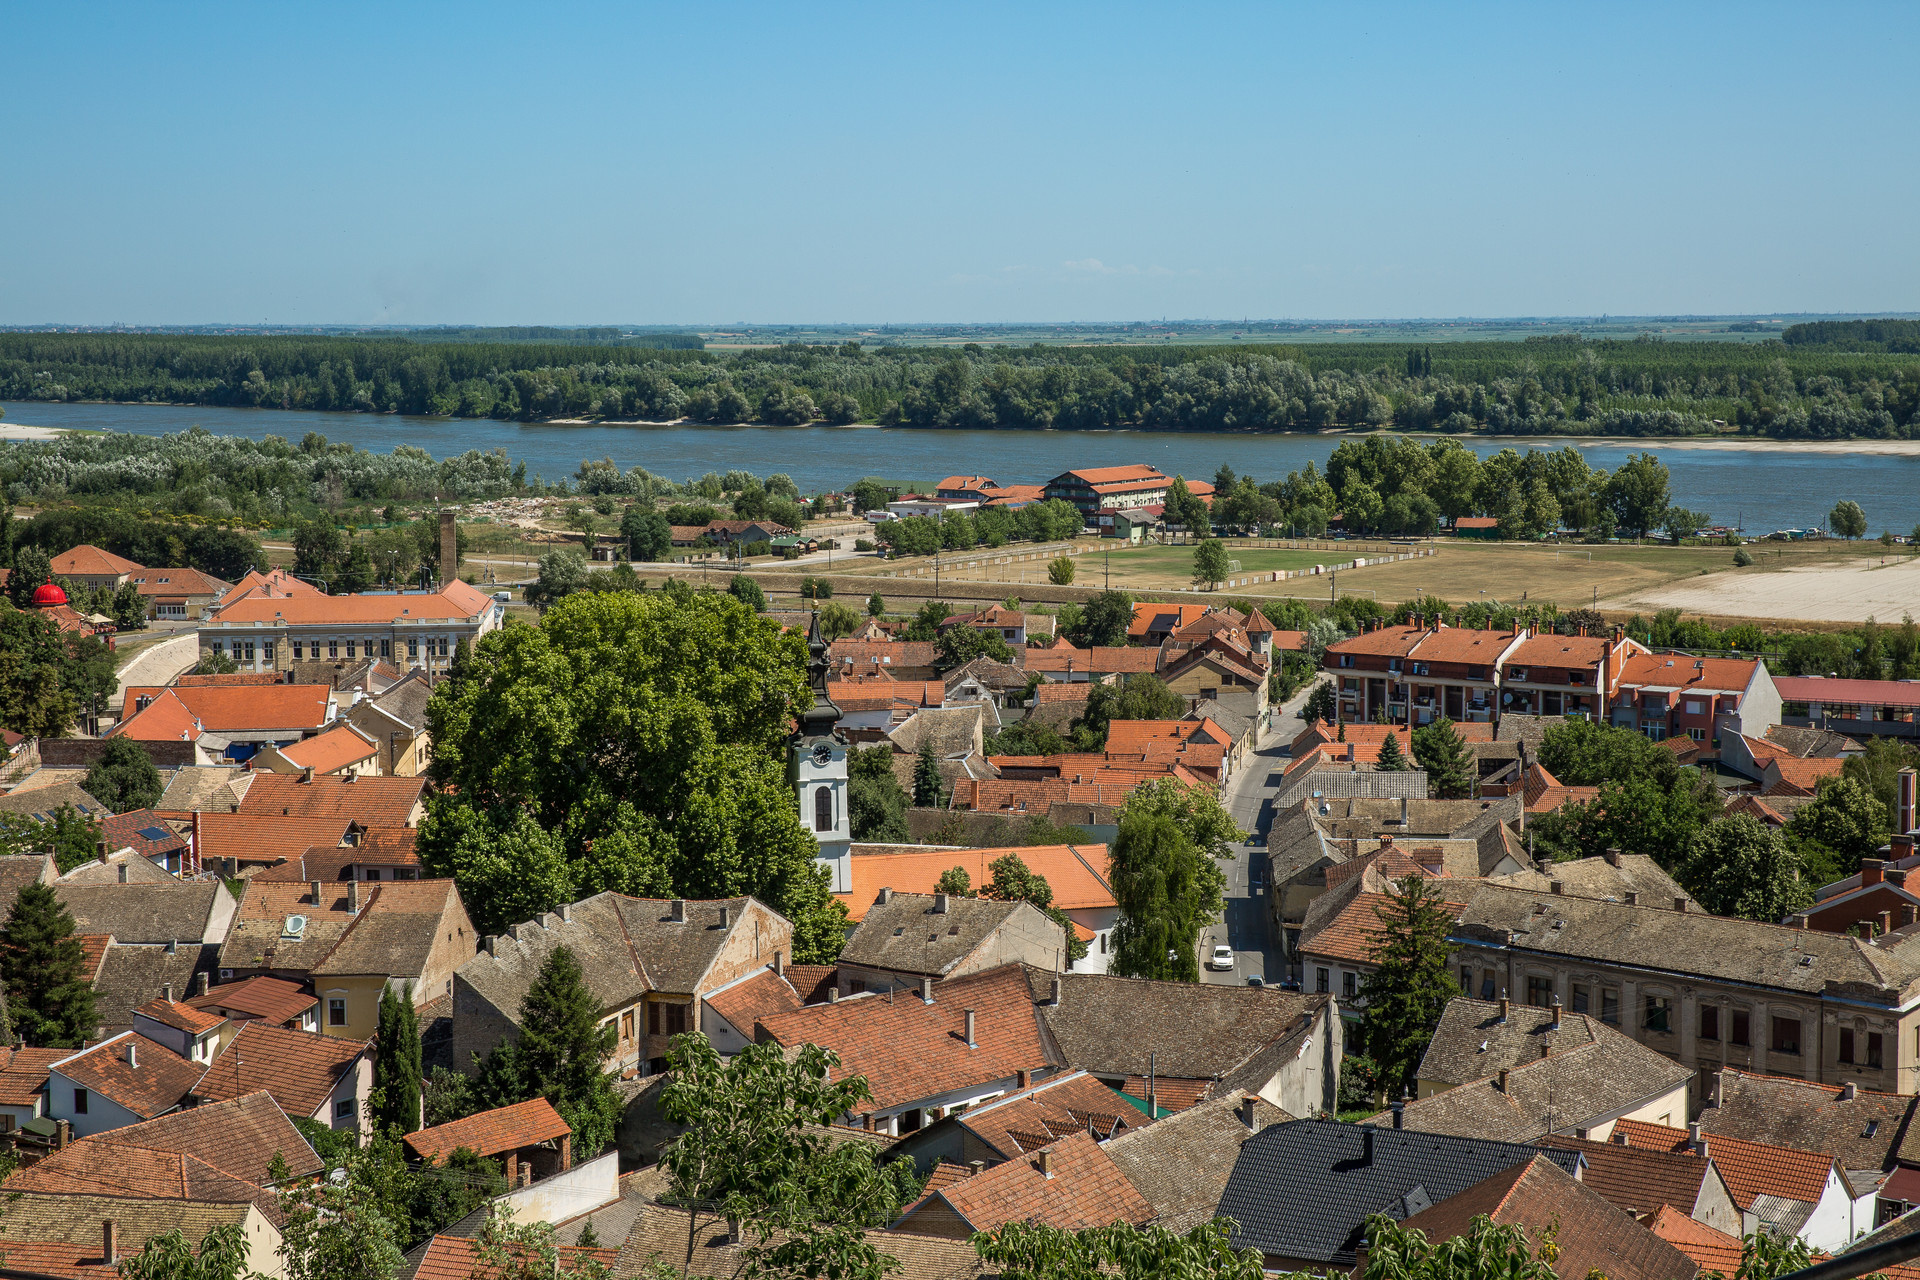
<point x="407" y="628"/>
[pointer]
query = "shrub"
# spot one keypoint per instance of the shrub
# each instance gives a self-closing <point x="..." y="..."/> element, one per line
<point x="1742" y="558"/>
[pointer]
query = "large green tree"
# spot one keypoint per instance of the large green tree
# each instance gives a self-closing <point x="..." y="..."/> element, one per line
<point x="1121" y="1251"/>
<point x="395" y="1100"/>
<point x="633" y="743"/>
<point x="1167" y="879"/>
<point x="876" y="802"/>
<point x="1142" y="697"/>
<point x="49" y="993"/>
<point x="1452" y="772"/>
<point x="45" y="677"/>
<point x="1847" y="822"/>
<point x="1392" y="758"/>
<point x="958" y="646"/>
<point x="1639" y="815"/>
<point x="1738" y="866"/>
<point x="1210" y="563"/>
<point x="926" y="777"/>
<point x="755" y="1147"/>
<point x="71" y="836"/>
<point x="220" y="1255"/>
<point x="1104" y="620"/>
<point x="123" y="777"/>
<point x="648" y="535"/>
<point x="1411" y="981"/>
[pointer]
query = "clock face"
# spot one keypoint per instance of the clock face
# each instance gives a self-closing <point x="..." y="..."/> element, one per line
<point x="823" y="755"/>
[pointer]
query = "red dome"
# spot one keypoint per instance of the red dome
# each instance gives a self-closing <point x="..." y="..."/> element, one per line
<point x="48" y="594"/>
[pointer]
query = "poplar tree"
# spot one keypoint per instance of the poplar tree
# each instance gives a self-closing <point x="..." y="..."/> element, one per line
<point x="396" y="1064"/>
<point x="926" y="778"/>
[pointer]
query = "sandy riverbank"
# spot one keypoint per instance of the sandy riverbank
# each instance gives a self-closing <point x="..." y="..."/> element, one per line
<point x="20" y="431"/>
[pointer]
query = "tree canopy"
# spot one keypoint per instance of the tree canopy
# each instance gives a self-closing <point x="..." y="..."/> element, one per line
<point x="123" y="777"/>
<point x="1166" y="878"/>
<point x="1411" y="981"/>
<point x="49" y="992"/>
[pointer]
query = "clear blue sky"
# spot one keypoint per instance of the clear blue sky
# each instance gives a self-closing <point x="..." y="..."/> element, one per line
<point x="710" y="163"/>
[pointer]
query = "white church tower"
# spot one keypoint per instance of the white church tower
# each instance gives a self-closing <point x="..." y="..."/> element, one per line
<point x="817" y="767"/>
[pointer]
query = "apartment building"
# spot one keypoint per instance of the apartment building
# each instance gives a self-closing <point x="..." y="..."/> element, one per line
<point x="1416" y="674"/>
<point x="1672" y="695"/>
<point x="410" y="629"/>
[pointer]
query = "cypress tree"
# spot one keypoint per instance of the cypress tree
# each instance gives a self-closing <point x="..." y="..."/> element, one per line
<point x="43" y="965"/>
<point x="562" y="1049"/>
<point x="926" y="778"/>
<point x="1406" y="994"/>
<point x="396" y="1064"/>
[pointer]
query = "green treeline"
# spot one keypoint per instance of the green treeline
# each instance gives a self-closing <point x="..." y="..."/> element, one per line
<point x="547" y="333"/>
<point x="1856" y="335"/>
<point x="1561" y="385"/>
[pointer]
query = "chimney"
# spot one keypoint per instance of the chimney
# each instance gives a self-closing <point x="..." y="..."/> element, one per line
<point x="62" y="1134"/>
<point x="100" y="848"/>
<point x="972" y="1043"/>
<point x="490" y="944"/>
<point x="1904" y="819"/>
<point x="1849" y="1091"/>
<point x="133" y="1053"/>
<point x="1053" y="994"/>
<point x="926" y="991"/>
<point x="109" y="1244"/>
<point x="1554" y="1008"/>
<point x="1045" y="1163"/>
<point x="449" y="549"/>
<point x="1557" y="886"/>
<point x="779" y="964"/>
<point x="566" y="913"/>
<point x="353" y="897"/>
<point x="866" y="1121"/>
<point x="1399" y="1110"/>
<point x="1386" y="841"/>
<point x="677" y="910"/>
<point x="1247" y="1108"/>
<point x="1872" y="871"/>
<point x="884" y="897"/>
<point x="1896" y="876"/>
<point x="939" y="904"/>
<point x="166" y="992"/>
<point x="1886" y="923"/>
<point x="1800" y="922"/>
<point x="1695" y="1142"/>
<point x="726" y="917"/>
<point x="200" y="982"/>
<point x="1719" y="1087"/>
<point x="1613" y="857"/>
<point x="306" y="774"/>
<point x="1680" y="902"/>
<point x="974" y="1167"/>
<point x="1506" y="1077"/>
<point x="833" y="995"/>
<point x="1633" y="898"/>
<point x="123" y="873"/>
<point x="1506" y="1005"/>
<point x="313" y="891"/>
<point x="1618" y="1138"/>
<point x="1908" y="914"/>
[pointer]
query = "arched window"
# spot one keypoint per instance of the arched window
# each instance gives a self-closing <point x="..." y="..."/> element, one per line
<point x="823" y="809"/>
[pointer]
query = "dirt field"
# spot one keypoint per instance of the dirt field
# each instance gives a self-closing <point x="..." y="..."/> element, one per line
<point x="1851" y="590"/>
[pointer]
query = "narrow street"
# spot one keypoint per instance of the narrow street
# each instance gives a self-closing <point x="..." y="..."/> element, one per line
<point x="1248" y="796"/>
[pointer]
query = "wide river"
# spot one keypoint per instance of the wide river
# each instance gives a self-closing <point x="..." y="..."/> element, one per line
<point x="1760" y="488"/>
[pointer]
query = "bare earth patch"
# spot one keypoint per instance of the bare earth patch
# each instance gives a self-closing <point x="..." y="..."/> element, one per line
<point x="1832" y="592"/>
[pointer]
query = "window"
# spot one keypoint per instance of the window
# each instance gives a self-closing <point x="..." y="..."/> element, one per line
<point x="1346" y="659"/>
<point x="676" y="1018"/>
<point x="386" y="648"/>
<point x="1709" y="1022"/>
<point x="336" y="1011"/>
<point x="1698" y="735"/>
<point x="1742" y="1035"/>
<point x="79" y="1102"/>
<point x="653" y="1019"/>
<point x="343" y="1108"/>
<point x="1539" y="992"/>
<point x="1874" y="1050"/>
<point x="1466" y="978"/>
<point x="296" y="651"/>
<point x="1659" y="1009"/>
<point x="626" y="1025"/>
<point x="333" y="648"/>
<point x="856" y="986"/>
<point x="1846" y="1044"/>
<point x="413" y="646"/>
<point x="1486" y="985"/>
<point x="1610" y="1005"/>
<point x="216" y="647"/>
<point x="1322" y="981"/>
<point x="249" y="647"/>
<point x="1786" y="1035"/>
<point x="349" y="648"/>
<point x="266" y="652"/>
<point x="823" y="809"/>
<point x="1582" y="997"/>
<point x="1349" y="986"/>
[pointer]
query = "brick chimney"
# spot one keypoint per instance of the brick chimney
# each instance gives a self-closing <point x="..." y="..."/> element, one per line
<point x="1247" y="1112"/>
<point x="779" y="964"/>
<point x="1697" y="1143"/>
<point x="939" y="904"/>
<point x="100" y="848"/>
<point x="1680" y="902"/>
<point x="1023" y="1078"/>
<point x="1554" y="1009"/>
<point x="313" y="891"/>
<point x="353" y="897"/>
<point x="833" y="995"/>
<point x="677" y="910"/>
<point x="1506" y="1005"/>
<point x="1849" y="1091"/>
<point x="1506" y="1078"/>
<point x="200" y="981"/>
<point x="449" y="548"/>
<point x="1872" y="871"/>
<point x="883" y="897"/>
<point x="1045" y="1163"/>
<point x="109" y="1241"/>
<point x="972" y="1043"/>
<point x="1886" y="922"/>
<point x="306" y="774"/>
<point x="1613" y="857"/>
<point x="1557" y="886"/>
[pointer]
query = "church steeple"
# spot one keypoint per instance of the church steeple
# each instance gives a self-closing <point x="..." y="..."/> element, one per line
<point x="817" y="767"/>
<point x="818" y="720"/>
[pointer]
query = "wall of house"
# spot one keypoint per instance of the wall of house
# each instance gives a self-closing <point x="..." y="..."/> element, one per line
<point x="1670" y="1109"/>
<point x="1309" y="1082"/>
<point x="12" y="1118"/>
<point x="363" y="1004"/>
<point x="1102" y="920"/>
<point x="585" y="1187"/>
<point x="454" y="945"/>
<point x="1716" y="1208"/>
<point x="935" y="1217"/>
<point x="353" y="1087"/>
<point x="220" y="918"/>
<point x="263" y="1243"/>
<point x="1837" y="1218"/>
<point x="102" y="1113"/>
<point x="478" y="1024"/>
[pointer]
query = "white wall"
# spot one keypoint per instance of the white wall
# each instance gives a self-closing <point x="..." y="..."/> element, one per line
<point x="102" y="1113"/>
<point x="581" y="1189"/>
<point x="1838" y="1218"/>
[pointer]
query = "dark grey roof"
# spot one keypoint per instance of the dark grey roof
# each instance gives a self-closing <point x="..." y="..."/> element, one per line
<point x="1867" y="1131"/>
<point x="1001" y="677"/>
<point x="1515" y="727"/>
<point x="1186" y="1030"/>
<point x="1382" y="815"/>
<point x="19" y="870"/>
<point x="1304" y="1189"/>
<point x="1810" y="743"/>
<point x="142" y="912"/>
<point x="131" y="976"/>
<point x="407" y="700"/>
<point x="1689" y="942"/>
<point x="1455" y="1054"/>
<point x="1181" y="1163"/>
<point x="909" y="934"/>
<point x="1295" y="844"/>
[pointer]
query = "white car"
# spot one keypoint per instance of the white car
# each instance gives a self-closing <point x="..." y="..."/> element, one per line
<point x="1222" y="957"/>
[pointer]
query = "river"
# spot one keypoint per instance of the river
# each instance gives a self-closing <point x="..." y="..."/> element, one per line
<point x="1762" y="488"/>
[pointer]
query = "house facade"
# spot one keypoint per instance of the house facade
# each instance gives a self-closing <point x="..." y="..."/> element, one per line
<point x="407" y="628"/>
<point x="1417" y="674"/>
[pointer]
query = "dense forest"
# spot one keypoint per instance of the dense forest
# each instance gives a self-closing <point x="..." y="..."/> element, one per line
<point x="1856" y="335"/>
<point x="1544" y="386"/>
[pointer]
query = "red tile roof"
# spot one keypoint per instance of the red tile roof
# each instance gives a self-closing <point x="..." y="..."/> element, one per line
<point x="908" y="1050"/>
<point x="273" y="1000"/>
<point x="1751" y="1169"/>
<point x="1110" y="785"/>
<point x="155" y="1082"/>
<point x="181" y="1017"/>
<point x="300" y="1069"/>
<point x="1081" y="1188"/>
<point x="258" y="837"/>
<point x="177" y="582"/>
<point x="455" y="601"/>
<point x="92" y="1167"/>
<point x="1718" y="675"/>
<point x="1805" y="775"/>
<point x="458" y="1258"/>
<point x="1097" y="661"/>
<point x="491" y="1133"/>
<point x="1871" y="693"/>
<point x="1640" y="1179"/>
<point x="274" y="583"/>
<point x="381" y="801"/>
<point x="85" y="561"/>
<point x="1169" y="618"/>
<point x="1558" y="651"/>
<point x="1070" y="1103"/>
<point x="126" y="831"/>
<point x="227" y="709"/>
<point x="1353" y="934"/>
<point x="744" y="1002"/>
<point x="332" y="751"/>
<point x="1075" y="873"/>
<point x="239" y="1137"/>
<point x="23" y="1074"/>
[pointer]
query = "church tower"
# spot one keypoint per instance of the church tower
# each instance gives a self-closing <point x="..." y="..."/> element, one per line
<point x="817" y="767"/>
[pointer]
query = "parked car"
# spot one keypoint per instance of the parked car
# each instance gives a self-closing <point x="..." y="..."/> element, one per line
<point x="1222" y="957"/>
<point x="1255" y="980"/>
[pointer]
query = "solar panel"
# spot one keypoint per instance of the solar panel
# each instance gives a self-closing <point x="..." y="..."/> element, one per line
<point x="154" y="833"/>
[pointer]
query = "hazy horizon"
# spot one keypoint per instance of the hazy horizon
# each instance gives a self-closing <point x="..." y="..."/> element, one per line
<point x="489" y="165"/>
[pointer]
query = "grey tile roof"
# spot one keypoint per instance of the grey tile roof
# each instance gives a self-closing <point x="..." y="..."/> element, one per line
<point x="596" y="937"/>
<point x="1598" y="878"/>
<point x="130" y="976"/>
<point x="42" y="803"/>
<point x="1304" y="1189"/>
<point x="1810" y="743"/>
<point x="1181" y="1163"/>
<point x="206" y="787"/>
<point x="1456" y="1054"/>
<point x="19" y="870"/>
<point x="1377" y="815"/>
<point x="1515" y="727"/>
<point x="407" y="701"/>
<point x="1690" y="942"/>
<point x="953" y="731"/>
<point x="1191" y="1031"/>
<point x="142" y="912"/>
<point x="395" y="932"/>
<point x="908" y="934"/>
<point x="1871" y="1131"/>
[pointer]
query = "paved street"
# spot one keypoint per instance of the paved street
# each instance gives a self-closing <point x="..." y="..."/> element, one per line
<point x="1243" y="925"/>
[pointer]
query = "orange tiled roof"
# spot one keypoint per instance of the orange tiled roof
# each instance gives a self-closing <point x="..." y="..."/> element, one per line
<point x="1353" y="934"/>
<point x="1133" y="471"/>
<point x="1558" y="651"/>
<point x="262" y="837"/>
<point x="156" y="1082"/>
<point x="1710" y="1249"/>
<point x="1082" y="1188"/>
<point x="23" y="1074"/>
<point x="1059" y="691"/>
<point x="458" y="1258"/>
<point x="274" y="583"/>
<point x="1075" y="873"/>
<point x="300" y="1069"/>
<point x="273" y="999"/>
<point x="1110" y="785"/>
<point x="378" y="847"/>
<point x="1751" y="1169"/>
<point x="455" y="601"/>
<point x="744" y="1002"/>
<point x="1806" y="774"/>
<point x="1097" y="661"/>
<point x="382" y="801"/>
<point x="85" y="561"/>
<point x="230" y="709"/>
<point x="1163" y="617"/>
<point x="177" y="582"/>
<point x="1717" y="675"/>
<point x="331" y="751"/>
<point x="908" y="1050"/>
<point x="1070" y="1103"/>
<point x="89" y="1167"/>
<point x="493" y="1132"/>
<point x="181" y="1017"/>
